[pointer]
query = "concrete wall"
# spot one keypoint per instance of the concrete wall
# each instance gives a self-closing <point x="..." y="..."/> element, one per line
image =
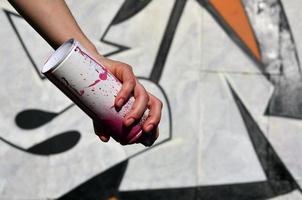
<point x="228" y="73"/>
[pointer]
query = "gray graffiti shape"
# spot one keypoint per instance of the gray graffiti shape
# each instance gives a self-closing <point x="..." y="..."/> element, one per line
<point x="279" y="59"/>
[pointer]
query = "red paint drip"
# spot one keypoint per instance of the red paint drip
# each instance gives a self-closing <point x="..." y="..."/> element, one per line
<point x="80" y="50"/>
<point x="103" y="76"/>
<point x="81" y="92"/>
<point x="93" y="84"/>
<point x="85" y="54"/>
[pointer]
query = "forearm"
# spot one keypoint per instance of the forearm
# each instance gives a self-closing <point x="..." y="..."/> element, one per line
<point x="53" y="20"/>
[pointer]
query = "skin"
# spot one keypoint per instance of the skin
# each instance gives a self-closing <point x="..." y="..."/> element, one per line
<point x="53" y="20"/>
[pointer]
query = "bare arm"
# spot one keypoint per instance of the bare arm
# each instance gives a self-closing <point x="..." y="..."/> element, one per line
<point x="53" y="20"/>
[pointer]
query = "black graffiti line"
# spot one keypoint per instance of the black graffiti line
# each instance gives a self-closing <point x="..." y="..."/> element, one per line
<point x="287" y="25"/>
<point x="102" y="186"/>
<point x="129" y="9"/>
<point x="272" y="165"/>
<point x="167" y="40"/>
<point x="8" y="15"/>
<point x="122" y="15"/>
<point x="165" y="44"/>
<point x="170" y="122"/>
<point x="161" y="55"/>
<point x="241" y="191"/>
<point x="120" y="47"/>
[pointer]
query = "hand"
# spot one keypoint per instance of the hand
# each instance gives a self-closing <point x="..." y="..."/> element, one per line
<point x="143" y="99"/>
<point x="55" y="24"/>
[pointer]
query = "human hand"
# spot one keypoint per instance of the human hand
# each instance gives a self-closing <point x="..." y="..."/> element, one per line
<point x="51" y="22"/>
<point x="143" y="100"/>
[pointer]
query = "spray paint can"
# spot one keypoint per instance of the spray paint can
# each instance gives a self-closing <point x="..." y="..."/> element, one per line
<point x="93" y="88"/>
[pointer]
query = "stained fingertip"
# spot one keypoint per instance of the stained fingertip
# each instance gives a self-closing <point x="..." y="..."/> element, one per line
<point x="104" y="138"/>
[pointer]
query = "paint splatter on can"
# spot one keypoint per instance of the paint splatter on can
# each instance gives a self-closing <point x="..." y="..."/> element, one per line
<point x="93" y="88"/>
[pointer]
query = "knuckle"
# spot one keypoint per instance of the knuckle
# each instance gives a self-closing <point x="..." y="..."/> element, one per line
<point x="128" y="67"/>
<point x="127" y="88"/>
<point x="157" y="102"/>
<point x="119" y="64"/>
<point x="131" y="82"/>
<point x="145" y="96"/>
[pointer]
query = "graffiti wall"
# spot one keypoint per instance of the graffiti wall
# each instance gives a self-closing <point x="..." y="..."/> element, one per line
<point x="229" y="76"/>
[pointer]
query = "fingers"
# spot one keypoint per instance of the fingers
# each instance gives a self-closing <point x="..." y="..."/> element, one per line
<point x="139" y="106"/>
<point x="125" y="74"/>
<point x="155" y="107"/>
<point x="100" y="133"/>
<point x="143" y="100"/>
<point x="130" y="87"/>
<point x="150" y="127"/>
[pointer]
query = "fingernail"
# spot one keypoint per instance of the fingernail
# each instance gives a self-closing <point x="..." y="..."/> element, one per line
<point x="103" y="138"/>
<point x="120" y="102"/>
<point x="100" y="137"/>
<point x="149" y="127"/>
<point x="130" y="121"/>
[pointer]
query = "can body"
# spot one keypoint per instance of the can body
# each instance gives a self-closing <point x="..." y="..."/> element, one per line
<point x="93" y="88"/>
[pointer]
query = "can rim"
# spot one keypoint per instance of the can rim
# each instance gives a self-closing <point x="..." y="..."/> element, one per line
<point x="59" y="56"/>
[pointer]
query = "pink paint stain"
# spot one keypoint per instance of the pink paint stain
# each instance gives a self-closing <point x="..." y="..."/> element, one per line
<point x="102" y="76"/>
<point x="93" y="84"/>
<point x="80" y="50"/>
